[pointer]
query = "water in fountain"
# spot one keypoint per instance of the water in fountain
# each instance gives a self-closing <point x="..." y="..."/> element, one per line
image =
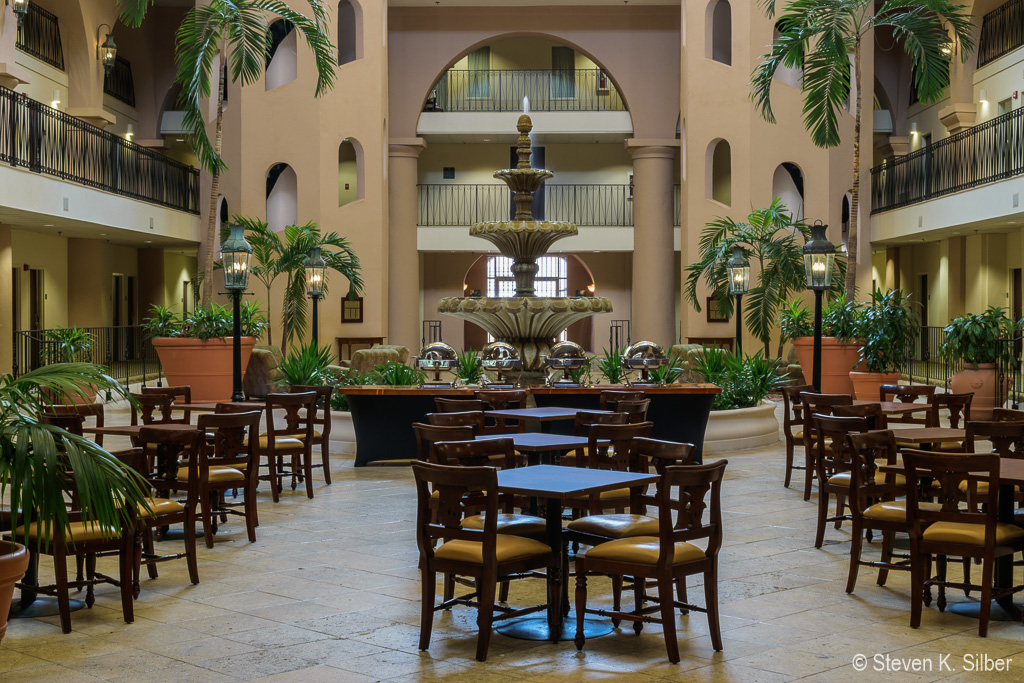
<point x="528" y="322"/>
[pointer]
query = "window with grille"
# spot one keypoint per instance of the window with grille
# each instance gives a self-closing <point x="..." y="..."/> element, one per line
<point x="552" y="279"/>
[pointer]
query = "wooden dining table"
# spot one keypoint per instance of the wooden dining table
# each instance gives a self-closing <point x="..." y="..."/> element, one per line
<point x="900" y="408"/>
<point x="558" y="485"/>
<point x="928" y="436"/>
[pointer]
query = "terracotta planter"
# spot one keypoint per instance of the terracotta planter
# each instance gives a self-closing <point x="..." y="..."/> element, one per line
<point x="741" y="428"/>
<point x="13" y="563"/>
<point x="204" y="365"/>
<point x="837" y="360"/>
<point x="866" y="384"/>
<point x="983" y="383"/>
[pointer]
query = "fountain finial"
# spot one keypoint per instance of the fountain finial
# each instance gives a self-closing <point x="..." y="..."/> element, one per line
<point x="524" y="146"/>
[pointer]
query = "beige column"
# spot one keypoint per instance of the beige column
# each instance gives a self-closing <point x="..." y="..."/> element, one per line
<point x="654" y="284"/>
<point x="6" y="299"/>
<point x="403" y="254"/>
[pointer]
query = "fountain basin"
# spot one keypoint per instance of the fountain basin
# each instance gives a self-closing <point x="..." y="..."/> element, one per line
<point x="530" y="324"/>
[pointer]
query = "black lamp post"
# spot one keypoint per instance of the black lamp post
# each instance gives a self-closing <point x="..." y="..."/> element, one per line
<point x="738" y="268"/>
<point x="819" y="261"/>
<point x="235" y="253"/>
<point x="316" y="277"/>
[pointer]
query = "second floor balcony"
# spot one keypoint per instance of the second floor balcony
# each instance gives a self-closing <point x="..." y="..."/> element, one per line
<point x="470" y="90"/>
<point x="452" y="204"/>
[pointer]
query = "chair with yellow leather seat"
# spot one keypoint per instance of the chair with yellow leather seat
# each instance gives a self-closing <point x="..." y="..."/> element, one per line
<point x="792" y="425"/>
<point x="427" y="435"/>
<point x="468" y="418"/>
<point x="833" y="462"/>
<point x="685" y="496"/>
<point x="910" y="393"/>
<point x="1007" y="440"/>
<point x="503" y="399"/>
<point x="581" y="427"/>
<point x="321" y="424"/>
<point x="457" y="405"/>
<point x="289" y="435"/>
<point x="635" y="411"/>
<point x="812" y="404"/>
<point x="228" y="461"/>
<point x="177" y="395"/>
<point x="955" y="531"/>
<point x="151" y="409"/>
<point x="957" y="407"/>
<point x="610" y="397"/>
<point x="481" y="554"/>
<point x="618" y="454"/>
<point x="85" y="411"/>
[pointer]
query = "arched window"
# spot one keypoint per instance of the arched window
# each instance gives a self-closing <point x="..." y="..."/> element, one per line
<point x="282" y="197"/>
<point x="350" y="40"/>
<point x="788" y="185"/>
<point x="719" y="172"/>
<point x="846" y="217"/>
<point x="282" y="61"/>
<point x="552" y="278"/>
<point x="224" y="214"/>
<point x="718" y="36"/>
<point x="350" y="171"/>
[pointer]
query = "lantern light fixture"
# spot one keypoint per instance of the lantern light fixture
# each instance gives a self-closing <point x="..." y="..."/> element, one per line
<point x="106" y="51"/>
<point x="235" y="253"/>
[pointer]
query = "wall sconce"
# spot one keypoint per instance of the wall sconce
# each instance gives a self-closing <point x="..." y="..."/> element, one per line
<point x="591" y="288"/>
<point x="55" y="103"/>
<point x="983" y="96"/>
<point x="130" y="134"/>
<point x="106" y="51"/>
<point x="20" y="9"/>
<point x="913" y="129"/>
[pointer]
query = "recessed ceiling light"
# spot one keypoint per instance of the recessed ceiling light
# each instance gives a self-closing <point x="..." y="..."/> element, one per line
<point x="148" y="241"/>
<point x="1012" y="222"/>
<point x="179" y="139"/>
<point x="47" y="225"/>
<point x="487" y="139"/>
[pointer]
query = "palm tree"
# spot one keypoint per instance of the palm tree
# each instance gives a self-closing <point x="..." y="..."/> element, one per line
<point x="770" y="237"/>
<point x="274" y="257"/>
<point x="237" y="32"/>
<point x="820" y="35"/>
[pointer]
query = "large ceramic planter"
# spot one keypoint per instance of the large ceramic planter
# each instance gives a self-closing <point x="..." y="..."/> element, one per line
<point x="204" y="365"/>
<point x="866" y="384"/>
<point x="741" y="429"/>
<point x="837" y="360"/>
<point x="13" y="563"/>
<point x="983" y="383"/>
<point x="343" y="434"/>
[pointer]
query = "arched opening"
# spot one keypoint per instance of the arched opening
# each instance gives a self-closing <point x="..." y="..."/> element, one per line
<point x="224" y="214"/>
<point x="846" y="217"/>
<point x="282" y="59"/>
<point x="790" y="76"/>
<point x="350" y="171"/>
<point x="718" y="36"/>
<point x="788" y="185"/>
<point x="350" y="38"/>
<point x="282" y="197"/>
<point x="719" y="172"/>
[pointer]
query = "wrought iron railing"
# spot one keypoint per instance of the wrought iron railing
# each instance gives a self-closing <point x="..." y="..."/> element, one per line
<point x="582" y="204"/>
<point x="45" y="140"/>
<point x="126" y="351"/>
<point x="39" y="36"/>
<point x="1002" y="31"/>
<point x="461" y="90"/>
<point x="118" y="83"/>
<point x="431" y="331"/>
<point x="618" y="334"/>
<point x="988" y="152"/>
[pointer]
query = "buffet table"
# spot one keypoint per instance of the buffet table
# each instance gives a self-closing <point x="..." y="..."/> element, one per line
<point x="382" y="416"/>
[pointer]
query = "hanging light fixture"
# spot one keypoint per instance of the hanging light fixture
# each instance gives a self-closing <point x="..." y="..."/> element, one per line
<point x="106" y="51"/>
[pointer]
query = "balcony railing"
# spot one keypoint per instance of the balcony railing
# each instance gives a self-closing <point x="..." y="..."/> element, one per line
<point x="39" y="36"/>
<point x="547" y="90"/>
<point x="1002" y="31"/>
<point x="988" y="152"/>
<point x="452" y="204"/>
<point x="118" y="83"/>
<point x="46" y="140"/>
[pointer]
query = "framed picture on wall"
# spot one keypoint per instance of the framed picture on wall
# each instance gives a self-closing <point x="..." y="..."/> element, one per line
<point x="352" y="310"/>
<point x="715" y="315"/>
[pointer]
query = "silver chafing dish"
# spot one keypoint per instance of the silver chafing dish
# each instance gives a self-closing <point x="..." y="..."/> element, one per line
<point x="642" y="356"/>
<point x="500" y="357"/>
<point x="435" y="357"/>
<point x="566" y="356"/>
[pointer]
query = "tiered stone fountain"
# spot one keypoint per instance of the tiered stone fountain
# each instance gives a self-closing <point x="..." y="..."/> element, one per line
<point x="526" y="321"/>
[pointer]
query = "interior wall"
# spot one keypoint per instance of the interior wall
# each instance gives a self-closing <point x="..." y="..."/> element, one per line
<point x="571" y="164"/>
<point x="178" y="268"/>
<point x="31" y="250"/>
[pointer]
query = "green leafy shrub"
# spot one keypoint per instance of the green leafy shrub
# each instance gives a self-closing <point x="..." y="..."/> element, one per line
<point x="467" y="367"/>
<point x="69" y="345"/>
<point x="891" y="327"/>
<point x="610" y="365"/>
<point x="394" y="374"/>
<point x="668" y="373"/>
<point x="306" y="365"/>
<point x="209" y="322"/>
<point x="975" y="338"/>
<point x="745" y="382"/>
<point x="339" y="401"/>
<point x="794" y="320"/>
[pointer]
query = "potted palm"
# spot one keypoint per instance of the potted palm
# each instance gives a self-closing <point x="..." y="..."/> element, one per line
<point x="891" y="327"/>
<point x="840" y="350"/>
<point x="71" y="345"/>
<point x="33" y="466"/>
<point x="195" y="348"/>
<point x="978" y="341"/>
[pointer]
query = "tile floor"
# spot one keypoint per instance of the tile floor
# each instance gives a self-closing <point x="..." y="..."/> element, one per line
<point x="329" y="592"/>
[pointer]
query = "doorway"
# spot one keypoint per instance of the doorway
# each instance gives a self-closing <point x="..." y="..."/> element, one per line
<point x="35" y="313"/>
<point x="122" y="315"/>
<point x="923" y="299"/>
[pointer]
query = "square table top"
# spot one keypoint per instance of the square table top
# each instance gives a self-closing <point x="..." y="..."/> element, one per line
<point x="929" y="434"/>
<point x="895" y="407"/>
<point x="531" y="442"/>
<point x="556" y="482"/>
<point x="541" y="414"/>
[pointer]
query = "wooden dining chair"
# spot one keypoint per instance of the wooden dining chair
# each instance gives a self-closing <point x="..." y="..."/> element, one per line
<point x="687" y="493"/>
<point x="635" y="411"/>
<point x="872" y="412"/>
<point x="833" y="461"/>
<point x="952" y="531"/>
<point x="958" y="406"/>
<point x="481" y="554"/>
<point x="179" y="394"/>
<point x="618" y="454"/>
<point x="610" y="397"/>
<point x="229" y="461"/>
<point x="793" y="425"/>
<point x="428" y="434"/>
<point x="503" y="399"/>
<point x="457" y="405"/>
<point x="816" y="404"/>
<point x="87" y="411"/>
<point x="910" y="393"/>
<point x="151" y="409"/>
<point x="289" y="435"/>
<point x="321" y="424"/>
<point x="470" y="418"/>
<point x="1007" y="415"/>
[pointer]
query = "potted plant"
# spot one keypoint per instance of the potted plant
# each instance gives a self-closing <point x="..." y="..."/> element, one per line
<point x="609" y="363"/>
<point x="740" y="416"/>
<point x="31" y="452"/>
<point x="394" y="374"/>
<point x="840" y="350"/>
<point x="891" y="326"/>
<point x="467" y="367"/>
<point x="978" y="341"/>
<point x="71" y="345"/>
<point x="195" y="349"/>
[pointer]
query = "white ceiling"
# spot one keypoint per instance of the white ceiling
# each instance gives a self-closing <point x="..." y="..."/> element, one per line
<point x="69" y="227"/>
